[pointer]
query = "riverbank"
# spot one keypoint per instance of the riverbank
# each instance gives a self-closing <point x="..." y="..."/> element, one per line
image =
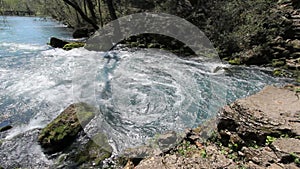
<point x="259" y="33"/>
<point x="260" y="131"/>
<point x="38" y="81"/>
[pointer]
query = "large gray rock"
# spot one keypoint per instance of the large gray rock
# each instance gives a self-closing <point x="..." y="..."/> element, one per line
<point x="273" y="111"/>
<point x="260" y="131"/>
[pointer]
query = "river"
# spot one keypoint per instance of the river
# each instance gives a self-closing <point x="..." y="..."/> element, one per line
<point x="141" y="93"/>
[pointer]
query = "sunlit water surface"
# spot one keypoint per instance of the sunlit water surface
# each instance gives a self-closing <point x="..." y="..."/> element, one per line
<point x="141" y="93"/>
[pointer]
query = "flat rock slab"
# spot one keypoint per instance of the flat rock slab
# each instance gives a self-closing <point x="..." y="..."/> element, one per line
<point x="273" y="111"/>
<point x="287" y="146"/>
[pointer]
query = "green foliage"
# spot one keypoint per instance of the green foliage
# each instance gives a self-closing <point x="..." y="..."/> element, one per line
<point x="232" y="156"/>
<point x="186" y="149"/>
<point x="242" y="167"/>
<point x="296" y="158"/>
<point x="270" y="140"/>
<point x="21" y="5"/>
<point x="253" y="144"/>
<point x="203" y="153"/>
<point x="297" y="76"/>
<point x="278" y="63"/>
<point x="237" y="26"/>
<point x="233" y="147"/>
<point x="235" y="61"/>
<point x="278" y="72"/>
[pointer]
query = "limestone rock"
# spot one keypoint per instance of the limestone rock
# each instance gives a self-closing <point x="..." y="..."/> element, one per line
<point x="286" y="147"/>
<point x="263" y="156"/>
<point x="273" y="111"/>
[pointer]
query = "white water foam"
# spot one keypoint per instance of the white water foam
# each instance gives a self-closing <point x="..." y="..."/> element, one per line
<point x="20" y="46"/>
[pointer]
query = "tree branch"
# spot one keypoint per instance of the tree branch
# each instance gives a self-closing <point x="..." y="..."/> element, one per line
<point x="82" y="14"/>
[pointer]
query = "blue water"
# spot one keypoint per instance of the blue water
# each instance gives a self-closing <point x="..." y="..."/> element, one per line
<point x="23" y="68"/>
<point x="143" y="93"/>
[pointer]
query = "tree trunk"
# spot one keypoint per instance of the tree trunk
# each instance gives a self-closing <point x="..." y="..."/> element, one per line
<point x="111" y="9"/>
<point x="82" y="14"/>
<point x="91" y="9"/>
<point x="84" y="6"/>
<point x="100" y="13"/>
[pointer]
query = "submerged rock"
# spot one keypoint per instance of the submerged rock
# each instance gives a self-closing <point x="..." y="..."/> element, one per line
<point x="92" y="153"/>
<point x="57" y="43"/>
<point x="23" y="151"/>
<point x="63" y="130"/>
<point x="5" y="125"/>
<point x="66" y="45"/>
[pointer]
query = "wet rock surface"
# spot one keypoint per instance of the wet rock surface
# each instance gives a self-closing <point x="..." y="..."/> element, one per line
<point x="61" y="144"/>
<point x="5" y="125"/>
<point x="57" y="43"/>
<point x="85" y="152"/>
<point x="272" y="111"/>
<point x="66" y="45"/>
<point x="14" y="152"/>
<point x="64" y="129"/>
<point x="260" y="131"/>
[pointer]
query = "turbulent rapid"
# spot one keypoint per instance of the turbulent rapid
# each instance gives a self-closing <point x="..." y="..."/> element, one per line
<point x="138" y="93"/>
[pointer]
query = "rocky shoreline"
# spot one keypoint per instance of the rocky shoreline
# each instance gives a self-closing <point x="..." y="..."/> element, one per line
<point x="260" y="131"/>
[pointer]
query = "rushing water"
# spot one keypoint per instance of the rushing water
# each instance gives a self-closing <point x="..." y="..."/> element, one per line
<point x="139" y="94"/>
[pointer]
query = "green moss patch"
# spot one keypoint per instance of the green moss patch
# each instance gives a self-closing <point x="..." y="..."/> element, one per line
<point x="278" y="72"/>
<point x="62" y="130"/>
<point x="94" y="152"/>
<point x="235" y="61"/>
<point x="278" y="63"/>
<point x="73" y="45"/>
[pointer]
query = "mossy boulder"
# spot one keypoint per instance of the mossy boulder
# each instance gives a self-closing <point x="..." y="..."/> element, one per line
<point x="66" y="45"/>
<point x="73" y="45"/>
<point x="63" y="130"/>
